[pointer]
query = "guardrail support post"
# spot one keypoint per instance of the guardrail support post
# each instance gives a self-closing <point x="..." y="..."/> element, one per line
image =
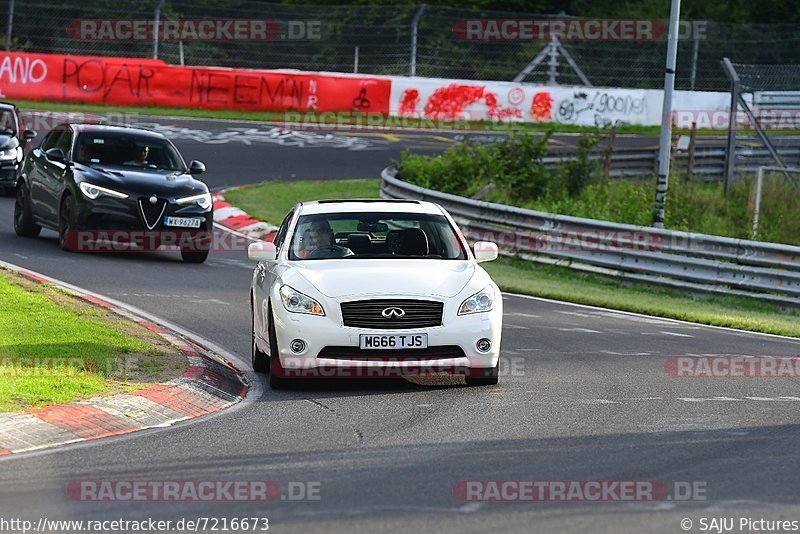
<point x="757" y="202"/>
<point x="692" y="145"/>
<point x="609" y="153"/>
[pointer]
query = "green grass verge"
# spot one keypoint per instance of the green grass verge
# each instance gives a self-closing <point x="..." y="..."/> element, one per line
<point x="50" y="353"/>
<point x="271" y="201"/>
<point x="560" y="283"/>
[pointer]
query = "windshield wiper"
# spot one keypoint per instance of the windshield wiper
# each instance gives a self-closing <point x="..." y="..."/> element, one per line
<point x="98" y="168"/>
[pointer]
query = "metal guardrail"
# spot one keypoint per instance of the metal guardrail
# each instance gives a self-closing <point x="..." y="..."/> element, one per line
<point x="698" y="262"/>
<point x="777" y="100"/>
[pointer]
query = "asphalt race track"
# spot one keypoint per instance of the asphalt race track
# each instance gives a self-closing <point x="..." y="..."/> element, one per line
<point x="583" y="396"/>
<point x="250" y="152"/>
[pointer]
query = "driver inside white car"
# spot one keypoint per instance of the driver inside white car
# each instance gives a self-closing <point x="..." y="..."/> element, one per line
<point x="318" y="235"/>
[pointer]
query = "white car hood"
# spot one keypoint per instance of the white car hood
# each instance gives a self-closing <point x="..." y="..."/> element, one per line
<point x="346" y="277"/>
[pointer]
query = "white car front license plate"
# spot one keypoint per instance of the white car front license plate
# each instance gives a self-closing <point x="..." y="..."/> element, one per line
<point x="393" y="341"/>
<point x="183" y="222"/>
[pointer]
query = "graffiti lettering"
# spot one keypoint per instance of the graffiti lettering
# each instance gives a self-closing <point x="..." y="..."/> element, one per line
<point x="142" y="75"/>
<point x="91" y="77"/>
<point x="607" y="108"/>
<point x="204" y="90"/>
<point x="628" y="105"/>
<point x="221" y="89"/>
<point x="22" y="70"/>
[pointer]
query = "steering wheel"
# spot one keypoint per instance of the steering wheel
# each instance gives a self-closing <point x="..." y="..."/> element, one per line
<point x="332" y="251"/>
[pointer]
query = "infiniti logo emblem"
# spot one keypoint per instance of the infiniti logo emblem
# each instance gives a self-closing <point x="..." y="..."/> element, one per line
<point x="393" y="313"/>
<point x="153" y="199"/>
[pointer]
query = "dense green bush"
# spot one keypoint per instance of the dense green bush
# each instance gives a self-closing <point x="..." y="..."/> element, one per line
<point x="515" y="167"/>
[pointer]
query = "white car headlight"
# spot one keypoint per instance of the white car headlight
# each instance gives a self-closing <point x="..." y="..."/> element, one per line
<point x="93" y="191"/>
<point x="297" y="302"/>
<point x="9" y="154"/>
<point x="482" y="301"/>
<point x="203" y="200"/>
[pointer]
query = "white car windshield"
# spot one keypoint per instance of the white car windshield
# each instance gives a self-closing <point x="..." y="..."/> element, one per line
<point x="366" y="235"/>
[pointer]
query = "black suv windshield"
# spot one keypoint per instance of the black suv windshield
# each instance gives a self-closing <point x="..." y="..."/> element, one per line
<point x="127" y="150"/>
<point x="8" y="123"/>
<point x="366" y="235"/>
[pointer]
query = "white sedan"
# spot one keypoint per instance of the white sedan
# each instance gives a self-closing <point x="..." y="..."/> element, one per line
<point x="384" y="288"/>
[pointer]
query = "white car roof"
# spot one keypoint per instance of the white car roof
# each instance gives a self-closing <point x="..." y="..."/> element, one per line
<point x="381" y="206"/>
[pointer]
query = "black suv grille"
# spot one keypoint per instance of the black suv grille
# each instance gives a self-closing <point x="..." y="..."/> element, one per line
<point x="392" y="314"/>
<point x="151" y="213"/>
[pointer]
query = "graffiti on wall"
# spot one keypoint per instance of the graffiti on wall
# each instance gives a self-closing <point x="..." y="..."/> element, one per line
<point x="542" y="107"/>
<point x="497" y="101"/>
<point x="457" y="102"/>
<point x="134" y="81"/>
<point x="601" y="108"/>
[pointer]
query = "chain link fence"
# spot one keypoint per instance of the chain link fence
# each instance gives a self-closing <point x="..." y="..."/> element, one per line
<point x="378" y="40"/>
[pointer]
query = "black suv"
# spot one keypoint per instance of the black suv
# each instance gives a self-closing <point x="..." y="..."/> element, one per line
<point x="128" y="186"/>
<point x="12" y="145"/>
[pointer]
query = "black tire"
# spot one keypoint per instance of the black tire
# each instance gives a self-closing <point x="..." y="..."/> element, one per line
<point x="194" y="256"/>
<point x="259" y="359"/>
<point x="483" y="377"/>
<point x="24" y="225"/>
<point x="66" y="224"/>
<point x="277" y="373"/>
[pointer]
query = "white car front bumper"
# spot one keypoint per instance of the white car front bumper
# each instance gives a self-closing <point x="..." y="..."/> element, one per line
<point x="326" y="335"/>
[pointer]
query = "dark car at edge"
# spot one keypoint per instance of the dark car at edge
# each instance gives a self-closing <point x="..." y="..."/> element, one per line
<point x="13" y="141"/>
<point x="93" y="183"/>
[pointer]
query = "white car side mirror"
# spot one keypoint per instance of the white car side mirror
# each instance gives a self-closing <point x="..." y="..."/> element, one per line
<point x="262" y="251"/>
<point x="485" y="251"/>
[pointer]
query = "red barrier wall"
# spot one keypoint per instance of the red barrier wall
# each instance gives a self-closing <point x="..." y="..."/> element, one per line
<point x="145" y="82"/>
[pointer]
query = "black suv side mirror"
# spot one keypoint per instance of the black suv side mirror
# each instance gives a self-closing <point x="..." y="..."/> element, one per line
<point x="197" y="167"/>
<point x="55" y="154"/>
<point x="28" y="135"/>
